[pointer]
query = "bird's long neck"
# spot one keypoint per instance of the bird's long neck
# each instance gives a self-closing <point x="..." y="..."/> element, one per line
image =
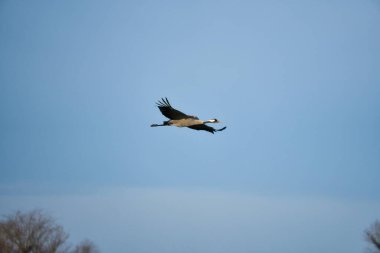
<point x="210" y="121"/>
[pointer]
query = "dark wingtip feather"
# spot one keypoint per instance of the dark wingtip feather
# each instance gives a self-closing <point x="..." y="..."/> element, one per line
<point x="167" y="101"/>
<point x="161" y="103"/>
<point x="164" y="102"/>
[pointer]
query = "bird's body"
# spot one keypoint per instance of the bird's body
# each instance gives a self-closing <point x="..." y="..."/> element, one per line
<point x="185" y="122"/>
<point x="180" y="119"/>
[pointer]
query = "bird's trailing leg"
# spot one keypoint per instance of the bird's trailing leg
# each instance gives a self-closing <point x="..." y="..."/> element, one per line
<point x="165" y="123"/>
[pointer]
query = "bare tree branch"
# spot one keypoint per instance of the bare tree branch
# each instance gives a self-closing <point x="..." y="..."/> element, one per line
<point x="36" y="232"/>
<point x="372" y="235"/>
<point x="32" y="232"/>
<point x="86" y="246"/>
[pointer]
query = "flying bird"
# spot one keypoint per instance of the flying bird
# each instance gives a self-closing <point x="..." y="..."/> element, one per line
<point x="180" y="119"/>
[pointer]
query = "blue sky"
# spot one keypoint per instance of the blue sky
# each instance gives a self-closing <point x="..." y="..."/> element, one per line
<point x="296" y="82"/>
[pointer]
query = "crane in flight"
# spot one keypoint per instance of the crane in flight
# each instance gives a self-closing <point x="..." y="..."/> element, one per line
<point x="180" y="119"/>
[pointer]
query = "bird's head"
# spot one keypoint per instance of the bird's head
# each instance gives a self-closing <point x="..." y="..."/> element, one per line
<point x="213" y="121"/>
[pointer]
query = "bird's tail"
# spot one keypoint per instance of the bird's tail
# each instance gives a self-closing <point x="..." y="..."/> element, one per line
<point x="221" y="129"/>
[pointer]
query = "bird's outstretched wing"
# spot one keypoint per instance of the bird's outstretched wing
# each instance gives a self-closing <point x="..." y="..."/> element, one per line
<point x="206" y="128"/>
<point x="169" y="112"/>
